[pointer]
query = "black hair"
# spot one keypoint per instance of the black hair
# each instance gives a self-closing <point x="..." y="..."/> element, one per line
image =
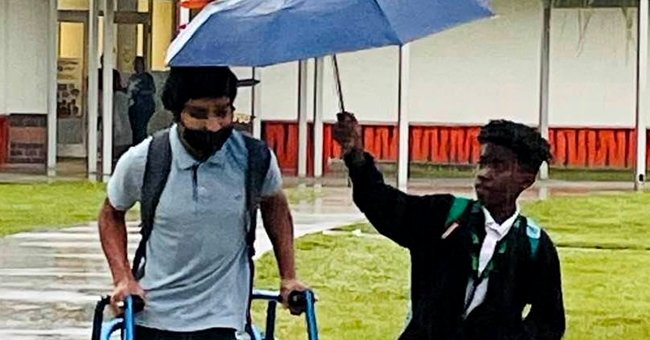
<point x="185" y="83"/>
<point x="526" y="142"/>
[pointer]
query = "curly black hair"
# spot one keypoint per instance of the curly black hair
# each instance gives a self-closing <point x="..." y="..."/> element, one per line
<point x="185" y="83"/>
<point x="526" y="142"/>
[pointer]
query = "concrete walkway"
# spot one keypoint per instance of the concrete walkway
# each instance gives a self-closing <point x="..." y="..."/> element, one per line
<point x="50" y="281"/>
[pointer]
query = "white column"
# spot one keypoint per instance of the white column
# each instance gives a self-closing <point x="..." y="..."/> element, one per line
<point x="318" y="117"/>
<point x="184" y="16"/>
<point x="402" y="116"/>
<point x="93" y="91"/>
<point x="302" y="118"/>
<point x="107" y="92"/>
<point x="127" y="38"/>
<point x="544" y="79"/>
<point x="642" y="94"/>
<point x="4" y="62"/>
<point x="148" y="36"/>
<point x="52" y="60"/>
<point x="256" y="103"/>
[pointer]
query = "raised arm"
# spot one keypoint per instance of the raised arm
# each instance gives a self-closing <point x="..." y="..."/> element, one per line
<point x="406" y="219"/>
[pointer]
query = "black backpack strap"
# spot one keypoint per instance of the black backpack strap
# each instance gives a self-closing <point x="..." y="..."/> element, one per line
<point x="259" y="159"/>
<point x="159" y="160"/>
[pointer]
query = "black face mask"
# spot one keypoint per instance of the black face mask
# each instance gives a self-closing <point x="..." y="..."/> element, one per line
<point x="204" y="143"/>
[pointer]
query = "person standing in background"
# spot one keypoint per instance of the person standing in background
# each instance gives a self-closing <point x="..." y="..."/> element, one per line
<point x="141" y="90"/>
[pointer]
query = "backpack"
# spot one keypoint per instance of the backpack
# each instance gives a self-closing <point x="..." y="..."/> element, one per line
<point x="157" y="169"/>
<point x="458" y="208"/>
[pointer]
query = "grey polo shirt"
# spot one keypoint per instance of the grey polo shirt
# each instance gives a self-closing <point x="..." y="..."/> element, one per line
<point x="197" y="270"/>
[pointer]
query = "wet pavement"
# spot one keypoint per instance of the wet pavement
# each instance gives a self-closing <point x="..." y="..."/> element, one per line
<point x="50" y="280"/>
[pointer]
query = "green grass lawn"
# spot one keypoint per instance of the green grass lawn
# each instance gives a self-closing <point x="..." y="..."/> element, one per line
<point x="419" y="170"/>
<point x="25" y="207"/>
<point x="603" y="221"/>
<point x="600" y="221"/>
<point x="362" y="282"/>
<point x="441" y="171"/>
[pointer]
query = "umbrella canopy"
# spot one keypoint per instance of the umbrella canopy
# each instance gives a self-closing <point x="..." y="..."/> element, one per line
<point x="267" y="32"/>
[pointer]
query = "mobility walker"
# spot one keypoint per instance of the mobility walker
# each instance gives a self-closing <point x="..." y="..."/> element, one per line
<point x="125" y="324"/>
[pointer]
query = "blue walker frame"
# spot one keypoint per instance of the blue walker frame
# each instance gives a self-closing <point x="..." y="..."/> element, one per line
<point x="126" y="324"/>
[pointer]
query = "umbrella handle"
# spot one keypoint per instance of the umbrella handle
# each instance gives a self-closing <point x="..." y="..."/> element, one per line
<point x="337" y="81"/>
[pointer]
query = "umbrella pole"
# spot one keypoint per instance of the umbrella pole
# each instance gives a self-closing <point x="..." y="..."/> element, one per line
<point x="339" y="93"/>
<point x="337" y="81"/>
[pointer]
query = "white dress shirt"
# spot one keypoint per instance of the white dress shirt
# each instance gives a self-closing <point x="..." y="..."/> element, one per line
<point x="494" y="232"/>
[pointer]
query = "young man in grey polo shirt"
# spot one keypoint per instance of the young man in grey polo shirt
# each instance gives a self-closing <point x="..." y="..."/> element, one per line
<point x="197" y="281"/>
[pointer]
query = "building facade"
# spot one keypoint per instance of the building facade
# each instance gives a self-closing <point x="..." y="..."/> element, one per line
<point x="459" y="80"/>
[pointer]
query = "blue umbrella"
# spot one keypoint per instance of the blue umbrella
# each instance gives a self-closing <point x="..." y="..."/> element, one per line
<point x="267" y="32"/>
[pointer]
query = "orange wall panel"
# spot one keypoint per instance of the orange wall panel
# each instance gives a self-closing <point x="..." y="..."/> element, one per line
<point x="612" y="148"/>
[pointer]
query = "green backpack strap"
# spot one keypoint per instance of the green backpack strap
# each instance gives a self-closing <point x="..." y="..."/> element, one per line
<point x="457" y="209"/>
<point x="534" y="232"/>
